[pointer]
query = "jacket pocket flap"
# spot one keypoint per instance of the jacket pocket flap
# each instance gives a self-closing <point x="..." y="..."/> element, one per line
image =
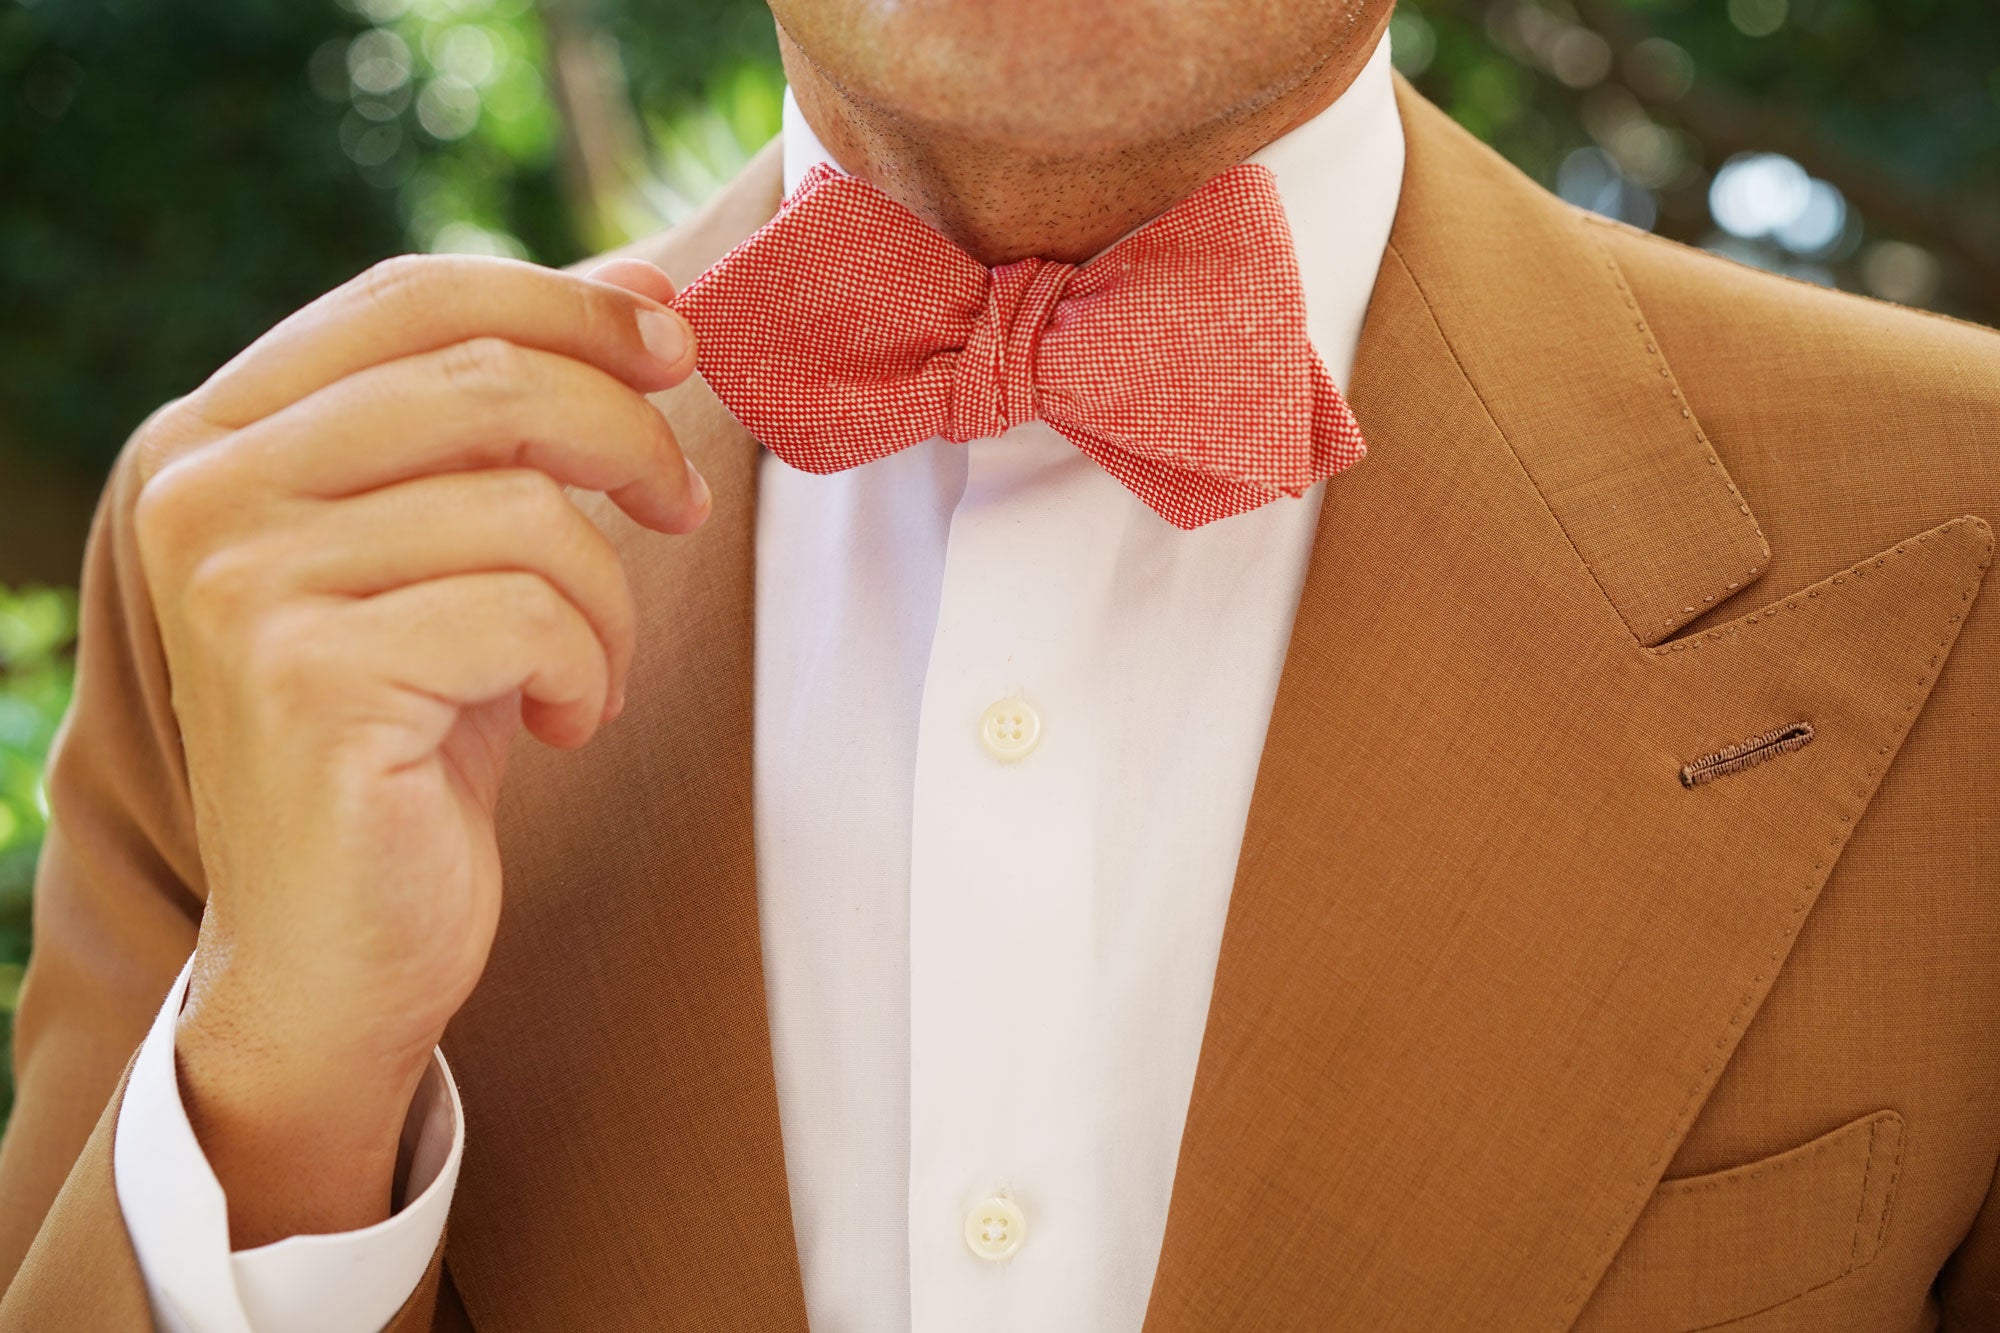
<point x="1722" y="1246"/>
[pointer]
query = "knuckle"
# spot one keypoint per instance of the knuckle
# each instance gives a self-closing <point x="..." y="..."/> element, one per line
<point x="396" y="282"/>
<point x="534" y="606"/>
<point x="603" y="316"/>
<point x="163" y="512"/>
<point x="280" y="666"/>
<point x="657" y="442"/>
<point x="222" y="588"/>
<point x="532" y="500"/>
<point x="489" y="368"/>
<point x="160" y="438"/>
<point x="580" y="551"/>
<point x="154" y="515"/>
<point x="624" y="605"/>
<point x="549" y="628"/>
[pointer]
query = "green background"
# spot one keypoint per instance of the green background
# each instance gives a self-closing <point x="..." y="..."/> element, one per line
<point x="175" y="175"/>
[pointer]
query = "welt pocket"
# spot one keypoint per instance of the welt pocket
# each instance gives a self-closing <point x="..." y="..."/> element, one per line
<point x="1713" y="1248"/>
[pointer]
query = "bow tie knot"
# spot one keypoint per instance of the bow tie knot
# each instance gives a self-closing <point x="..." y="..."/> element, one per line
<point x="993" y="381"/>
<point x="844" y="330"/>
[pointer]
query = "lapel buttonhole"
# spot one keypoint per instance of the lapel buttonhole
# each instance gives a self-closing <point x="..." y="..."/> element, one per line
<point x="1735" y="758"/>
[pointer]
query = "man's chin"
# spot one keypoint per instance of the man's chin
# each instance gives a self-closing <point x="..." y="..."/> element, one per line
<point x="1062" y="80"/>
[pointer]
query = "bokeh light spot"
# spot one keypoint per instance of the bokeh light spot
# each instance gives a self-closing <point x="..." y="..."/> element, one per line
<point x="368" y="143"/>
<point x="1901" y="272"/>
<point x="1660" y="69"/>
<point x="468" y="52"/>
<point x="1580" y="58"/>
<point x="1819" y="225"/>
<point x="466" y="238"/>
<point x="1412" y="42"/>
<point x="1754" y="194"/>
<point x="1757" y="18"/>
<point x="378" y="61"/>
<point x="448" y="108"/>
<point x="1589" y="178"/>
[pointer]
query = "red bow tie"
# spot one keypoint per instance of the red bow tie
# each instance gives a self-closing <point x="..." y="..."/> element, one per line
<point x="846" y="329"/>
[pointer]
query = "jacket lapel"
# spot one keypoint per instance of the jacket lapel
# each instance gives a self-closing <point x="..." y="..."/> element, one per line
<point x="1486" y="954"/>
<point x="623" y="1166"/>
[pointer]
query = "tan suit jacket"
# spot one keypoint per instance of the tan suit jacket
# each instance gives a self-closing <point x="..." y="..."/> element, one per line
<point x="1511" y="1028"/>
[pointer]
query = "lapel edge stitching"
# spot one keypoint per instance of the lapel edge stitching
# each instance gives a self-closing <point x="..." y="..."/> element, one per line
<point x="1740" y="627"/>
<point x="1699" y="438"/>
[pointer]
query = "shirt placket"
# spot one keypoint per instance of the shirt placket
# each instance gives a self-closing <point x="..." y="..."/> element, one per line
<point x="1002" y="1196"/>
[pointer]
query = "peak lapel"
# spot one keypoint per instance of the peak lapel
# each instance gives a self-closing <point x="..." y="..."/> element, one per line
<point x="1486" y="955"/>
<point x="623" y="1165"/>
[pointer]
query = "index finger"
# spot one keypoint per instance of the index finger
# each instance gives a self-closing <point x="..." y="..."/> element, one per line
<point x="420" y="303"/>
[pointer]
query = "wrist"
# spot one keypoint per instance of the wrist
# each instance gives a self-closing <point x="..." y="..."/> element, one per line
<point x="302" y="1137"/>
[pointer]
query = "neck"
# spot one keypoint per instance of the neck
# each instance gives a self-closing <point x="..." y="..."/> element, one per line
<point x="1001" y="201"/>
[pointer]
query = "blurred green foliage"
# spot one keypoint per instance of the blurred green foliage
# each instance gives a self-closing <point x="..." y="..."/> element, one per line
<point x="37" y="626"/>
<point x="176" y="175"/>
<point x="172" y="184"/>
<point x="180" y="173"/>
<point x="1709" y="121"/>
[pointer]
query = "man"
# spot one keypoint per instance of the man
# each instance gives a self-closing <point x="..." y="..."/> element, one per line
<point x="1054" y="866"/>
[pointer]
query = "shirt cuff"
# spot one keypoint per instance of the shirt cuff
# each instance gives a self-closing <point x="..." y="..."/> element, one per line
<point x="178" y="1217"/>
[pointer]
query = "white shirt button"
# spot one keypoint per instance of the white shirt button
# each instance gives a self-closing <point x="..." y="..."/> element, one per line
<point x="995" y="1228"/>
<point x="1010" y="728"/>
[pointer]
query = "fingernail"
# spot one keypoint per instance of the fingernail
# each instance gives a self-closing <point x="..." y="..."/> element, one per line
<point x="615" y="705"/>
<point x="698" y="489"/>
<point x="665" y="336"/>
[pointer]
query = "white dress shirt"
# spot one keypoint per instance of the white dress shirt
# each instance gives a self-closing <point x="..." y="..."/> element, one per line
<point x="1007" y="724"/>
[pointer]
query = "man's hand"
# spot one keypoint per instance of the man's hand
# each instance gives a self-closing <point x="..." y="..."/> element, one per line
<point x="367" y="576"/>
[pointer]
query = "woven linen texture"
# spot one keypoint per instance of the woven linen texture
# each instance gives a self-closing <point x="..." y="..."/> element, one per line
<point x="846" y="329"/>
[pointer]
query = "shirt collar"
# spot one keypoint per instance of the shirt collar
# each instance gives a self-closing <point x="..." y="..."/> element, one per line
<point x="1339" y="176"/>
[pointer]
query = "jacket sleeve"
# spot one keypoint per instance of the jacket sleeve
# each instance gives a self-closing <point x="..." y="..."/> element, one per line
<point x="118" y="896"/>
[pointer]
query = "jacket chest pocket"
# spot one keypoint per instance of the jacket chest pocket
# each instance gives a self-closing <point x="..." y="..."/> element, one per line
<point x="1723" y="1246"/>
